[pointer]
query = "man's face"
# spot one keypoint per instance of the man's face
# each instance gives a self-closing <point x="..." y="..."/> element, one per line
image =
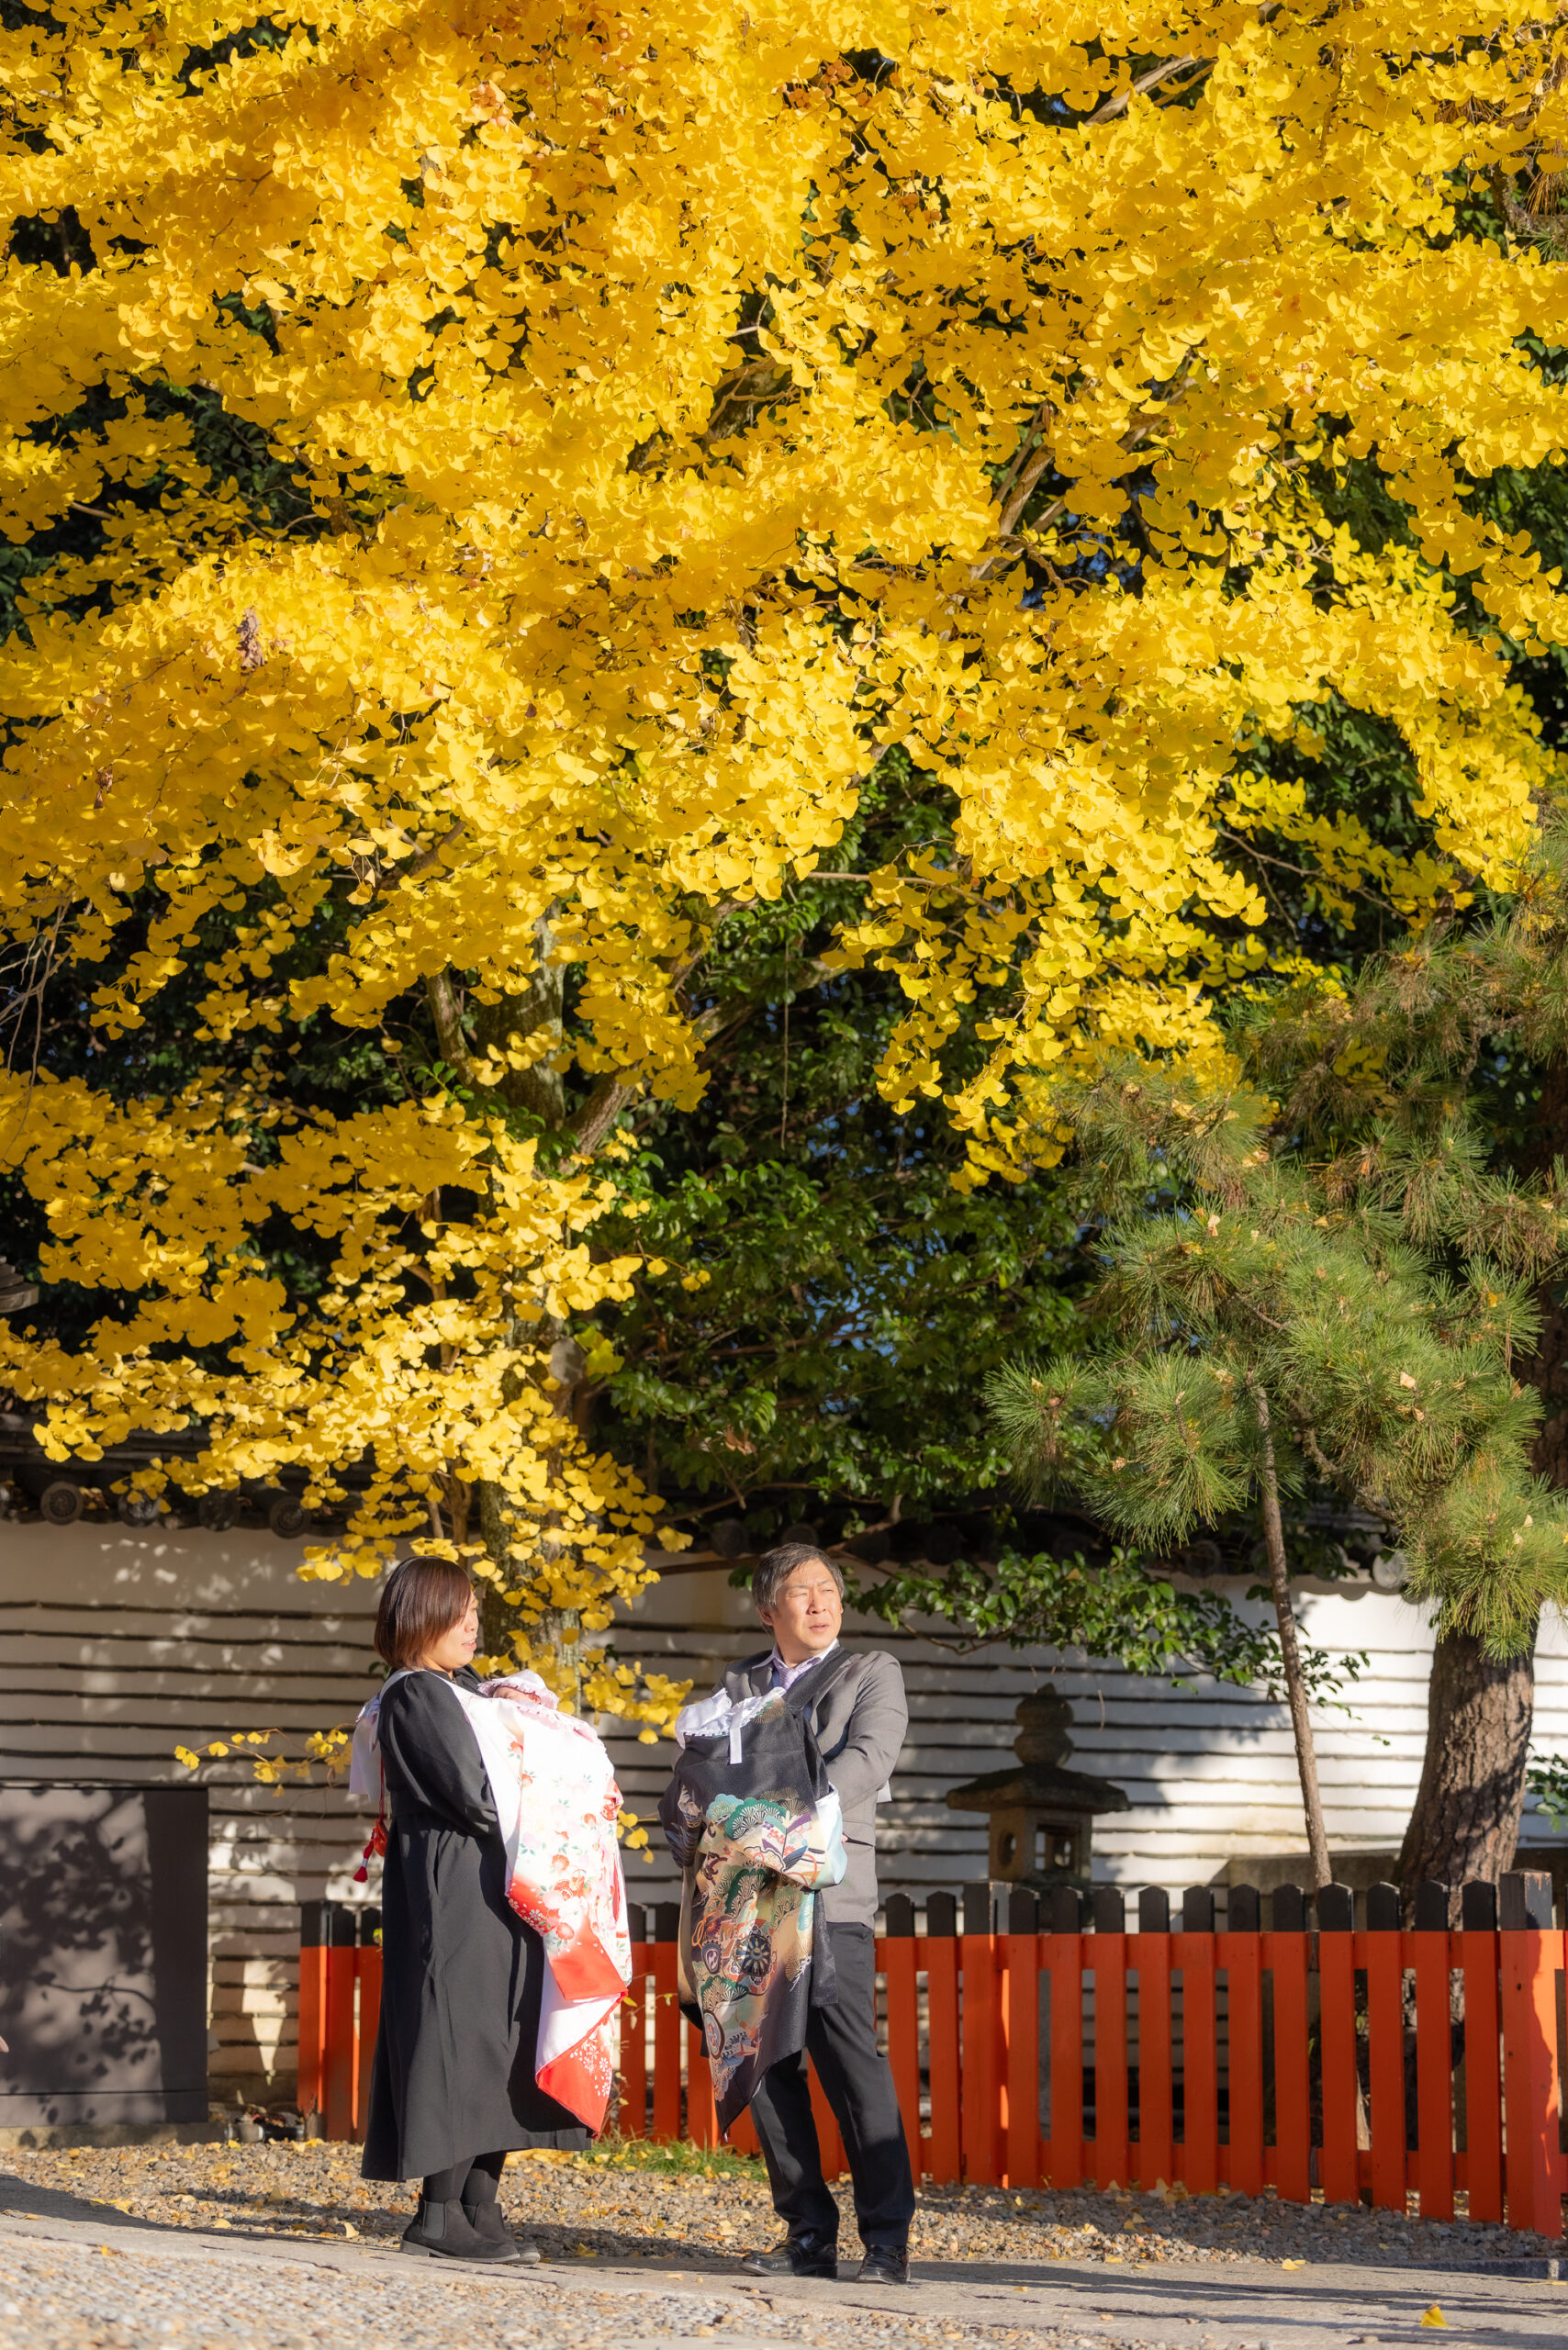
<point x="807" y="1614"/>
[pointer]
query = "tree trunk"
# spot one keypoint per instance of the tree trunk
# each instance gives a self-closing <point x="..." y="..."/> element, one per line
<point x="1466" y="1820"/>
<point x="1290" y="1649"/>
<point x="521" y="1021"/>
<point x="1479" y="1713"/>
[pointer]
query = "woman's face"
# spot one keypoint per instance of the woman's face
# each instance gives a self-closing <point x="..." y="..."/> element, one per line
<point x="455" y="1647"/>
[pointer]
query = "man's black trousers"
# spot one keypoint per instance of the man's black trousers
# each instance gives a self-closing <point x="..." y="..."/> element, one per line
<point x="859" y="2085"/>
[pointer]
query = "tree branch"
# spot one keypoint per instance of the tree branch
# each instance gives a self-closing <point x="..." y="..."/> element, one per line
<point x="449" y="1036"/>
<point x="592" y="1120"/>
<point x="1006" y="489"/>
<point x="431" y="856"/>
<point x="1146" y="81"/>
<point x="1012" y="513"/>
<point x="1349" y="889"/>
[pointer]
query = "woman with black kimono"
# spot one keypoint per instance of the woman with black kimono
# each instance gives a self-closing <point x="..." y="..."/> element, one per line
<point x="453" y="2088"/>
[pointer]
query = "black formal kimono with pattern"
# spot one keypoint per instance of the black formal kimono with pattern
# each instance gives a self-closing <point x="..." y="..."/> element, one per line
<point x="461" y="1972"/>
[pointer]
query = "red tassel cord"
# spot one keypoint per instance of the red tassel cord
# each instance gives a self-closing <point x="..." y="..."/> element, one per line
<point x="375" y="1842"/>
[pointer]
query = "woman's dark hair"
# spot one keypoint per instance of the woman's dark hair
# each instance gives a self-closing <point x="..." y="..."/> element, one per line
<point x="419" y="1601"/>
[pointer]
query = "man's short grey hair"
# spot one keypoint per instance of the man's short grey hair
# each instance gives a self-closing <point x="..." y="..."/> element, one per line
<point x="775" y="1568"/>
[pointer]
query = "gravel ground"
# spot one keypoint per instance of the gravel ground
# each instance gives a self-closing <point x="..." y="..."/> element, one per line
<point x="637" y="2203"/>
<point x="55" y="2297"/>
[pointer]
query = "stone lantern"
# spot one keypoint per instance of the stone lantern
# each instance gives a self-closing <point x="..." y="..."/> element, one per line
<point x="1042" y="1816"/>
<point x="16" y="1295"/>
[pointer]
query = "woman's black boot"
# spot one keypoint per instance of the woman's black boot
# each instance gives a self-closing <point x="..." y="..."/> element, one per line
<point x="488" y="2223"/>
<point x="446" y="2229"/>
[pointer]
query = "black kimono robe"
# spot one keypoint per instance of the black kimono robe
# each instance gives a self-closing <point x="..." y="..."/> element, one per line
<point x="461" y="1972"/>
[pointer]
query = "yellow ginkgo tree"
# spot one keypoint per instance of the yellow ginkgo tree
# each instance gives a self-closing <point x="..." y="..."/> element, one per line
<point x="490" y="487"/>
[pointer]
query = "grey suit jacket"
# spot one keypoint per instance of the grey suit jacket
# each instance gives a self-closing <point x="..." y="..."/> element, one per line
<point x="860" y="1730"/>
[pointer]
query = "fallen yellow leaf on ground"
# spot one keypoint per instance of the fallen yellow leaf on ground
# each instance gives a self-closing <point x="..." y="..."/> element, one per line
<point x="1293" y="2264"/>
<point x="1433" y="2316"/>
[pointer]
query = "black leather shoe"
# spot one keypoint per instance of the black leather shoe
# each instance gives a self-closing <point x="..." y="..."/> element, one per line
<point x="885" y="2264"/>
<point x="444" y="2229"/>
<point x="802" y="2256"/>
<point x="488" y="2223"/>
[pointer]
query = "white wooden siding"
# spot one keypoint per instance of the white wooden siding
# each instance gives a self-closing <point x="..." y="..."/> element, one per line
<point x="116" y="1645"/>
<point x="1210" y="1769"/>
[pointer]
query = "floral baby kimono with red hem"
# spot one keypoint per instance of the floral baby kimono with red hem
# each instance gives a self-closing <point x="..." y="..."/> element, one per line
<point x="565" y="1882"/>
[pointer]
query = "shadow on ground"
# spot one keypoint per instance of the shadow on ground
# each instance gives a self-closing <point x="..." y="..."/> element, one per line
<point x="20" y="2198"/>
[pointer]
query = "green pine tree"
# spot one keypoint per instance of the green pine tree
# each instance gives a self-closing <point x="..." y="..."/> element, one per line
<point x="1263" y="1325"/>
<point x="1455" y="1039"/>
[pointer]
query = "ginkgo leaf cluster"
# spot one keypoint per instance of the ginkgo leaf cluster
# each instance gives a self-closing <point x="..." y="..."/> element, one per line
<point x="393" y="1372"/>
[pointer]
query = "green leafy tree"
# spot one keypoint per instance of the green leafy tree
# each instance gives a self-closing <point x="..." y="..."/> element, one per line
<point x="1121" y="1607"/>
<point x="817" y="1349"/>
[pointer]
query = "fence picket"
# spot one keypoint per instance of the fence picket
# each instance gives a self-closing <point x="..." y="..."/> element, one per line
<point x="977" y="1963"/>
<point x="367" y="1990"/>
<point x="1483" y="2052"/>
<point x="939" y="1951"/>
<point x="667" y="2023"/>
<point x="1241" y="1955"/>
<point x="309" y="2093"/>
<point x="1340" y="2168"/>
<point x="1195" y="1955"/>
<point x="899" y="1965"/>
<point x="340" y="2066"/>
<point x="1021" y="1989"/>
<point x="1285" y="1952"/>
<point x="1428" y="1946"/>
<point x="1064" y="1957"/>
<point x="1148" y="1953"/>
<point x="1530" y="1953"/>
<point x="631" y="2112"/>
<point x="1107" y="1953"/>
<point x="1381" y="1948"/>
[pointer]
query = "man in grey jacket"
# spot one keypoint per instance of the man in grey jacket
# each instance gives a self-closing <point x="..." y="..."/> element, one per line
<point x="861" y="1728"/>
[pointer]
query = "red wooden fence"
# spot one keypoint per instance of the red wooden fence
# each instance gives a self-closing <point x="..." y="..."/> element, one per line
<point x="1084" y="2054"/>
